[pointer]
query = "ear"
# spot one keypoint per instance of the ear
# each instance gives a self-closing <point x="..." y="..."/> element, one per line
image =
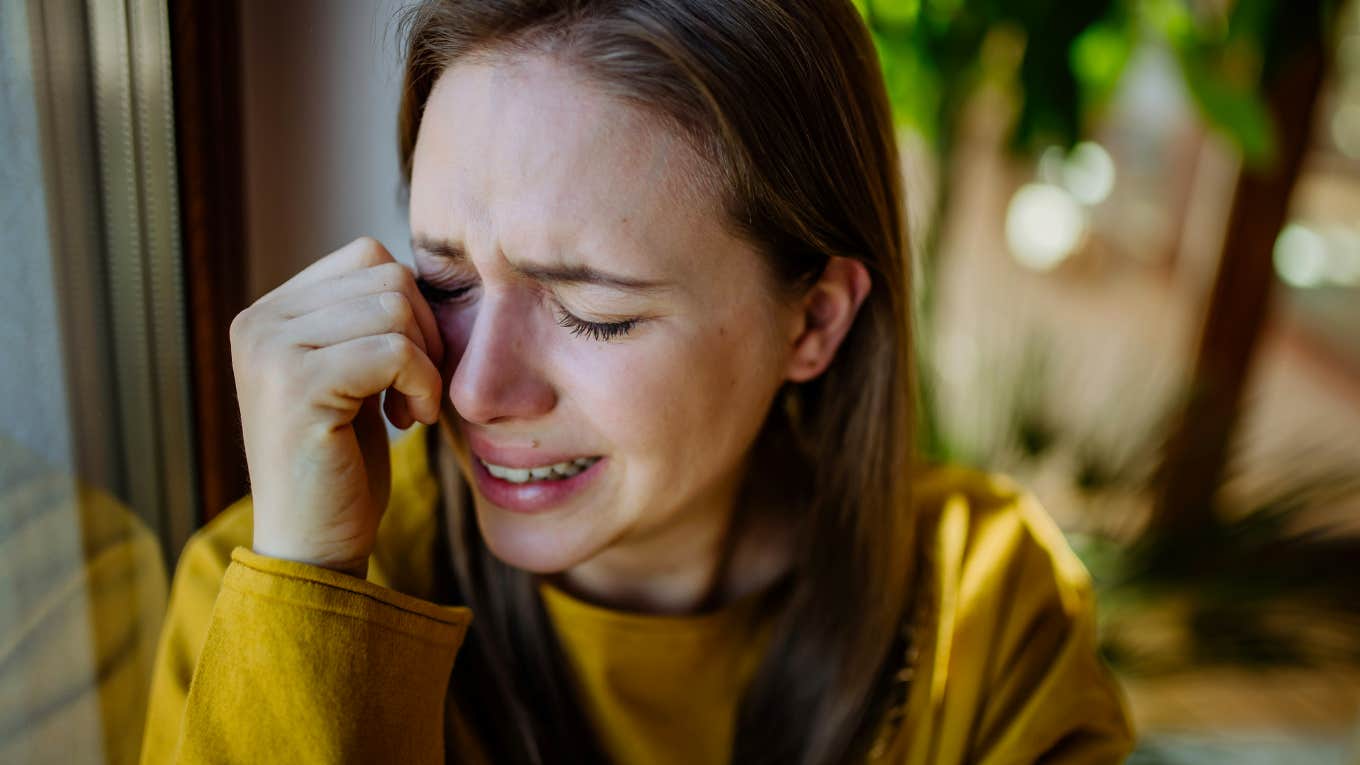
<point x="828" y="310"/>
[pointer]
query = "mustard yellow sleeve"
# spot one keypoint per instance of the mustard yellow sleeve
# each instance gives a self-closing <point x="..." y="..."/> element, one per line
<point x="306" y="665"/>
<point x="280" y="662"/>
<point x="193" y="590"/>
<point x="1012" y="675"/>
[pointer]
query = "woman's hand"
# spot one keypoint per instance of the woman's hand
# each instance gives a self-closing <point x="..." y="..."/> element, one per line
<point x="310" y="360"/>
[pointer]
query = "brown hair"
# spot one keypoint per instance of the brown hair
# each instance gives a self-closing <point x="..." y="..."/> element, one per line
<point x="785" y="100"/>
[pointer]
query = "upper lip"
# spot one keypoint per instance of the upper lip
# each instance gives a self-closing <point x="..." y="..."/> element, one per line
<point x="517" y="456"/>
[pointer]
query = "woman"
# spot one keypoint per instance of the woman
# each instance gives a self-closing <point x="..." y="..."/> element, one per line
<point x="660" y="315"/>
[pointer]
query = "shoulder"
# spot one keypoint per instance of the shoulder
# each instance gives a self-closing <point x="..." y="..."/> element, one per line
<point x="984" y="528"/>
<point x="1009" y="670"/>
<point x="1002" y="576"/>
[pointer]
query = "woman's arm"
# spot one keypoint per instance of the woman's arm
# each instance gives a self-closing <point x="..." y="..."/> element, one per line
<point x="304" y="664"/>
<point x="276" y="648"/>
<point x="291" y="662"/>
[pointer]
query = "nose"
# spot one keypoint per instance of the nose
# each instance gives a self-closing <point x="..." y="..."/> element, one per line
<point x="497" y="379"/>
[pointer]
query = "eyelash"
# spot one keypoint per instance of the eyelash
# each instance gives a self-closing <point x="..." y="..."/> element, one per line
<point x="598" y="331"/>
<point x="601" y="331"/>
<point x="438" y="295"/>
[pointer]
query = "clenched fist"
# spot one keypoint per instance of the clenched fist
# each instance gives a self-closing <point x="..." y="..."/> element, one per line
<point x="311" y="359"/>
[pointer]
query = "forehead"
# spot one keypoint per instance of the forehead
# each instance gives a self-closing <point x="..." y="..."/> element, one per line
<point x="526" y="148"/>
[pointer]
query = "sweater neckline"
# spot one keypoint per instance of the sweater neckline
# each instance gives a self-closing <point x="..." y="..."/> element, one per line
<point x="567" y="608"/>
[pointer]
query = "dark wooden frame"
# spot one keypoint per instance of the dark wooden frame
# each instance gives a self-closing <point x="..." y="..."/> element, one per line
<point x="206" y="49"/>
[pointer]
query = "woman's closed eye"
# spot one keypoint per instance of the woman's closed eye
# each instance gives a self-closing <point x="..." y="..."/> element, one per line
<point x="437" y="296"/>
<point x="599" y="331"/>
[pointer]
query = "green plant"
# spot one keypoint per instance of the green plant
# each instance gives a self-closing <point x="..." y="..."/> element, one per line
<point x="1264" y="585"/>
<point x="1269" y="582"/>
<point x="1061" y="62"/>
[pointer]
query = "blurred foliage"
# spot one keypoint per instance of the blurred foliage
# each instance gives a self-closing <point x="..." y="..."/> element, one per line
<point x="1061" y="63"/>
<point x="1265" y="585"/>
<point x="934" y="52"/>
<point x="1270" y="582"/>
<point x="1063" y="60"/>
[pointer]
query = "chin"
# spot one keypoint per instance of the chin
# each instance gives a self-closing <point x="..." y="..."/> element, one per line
<point x="531" y="542"/>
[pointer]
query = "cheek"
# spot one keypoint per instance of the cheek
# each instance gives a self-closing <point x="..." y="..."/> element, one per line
<point x="675" y="403"/>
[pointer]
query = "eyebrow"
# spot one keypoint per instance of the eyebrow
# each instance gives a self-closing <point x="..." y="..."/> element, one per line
<point x="567" y="274"/>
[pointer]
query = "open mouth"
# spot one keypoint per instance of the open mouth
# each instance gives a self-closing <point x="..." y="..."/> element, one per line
<point x="558" y="471"/>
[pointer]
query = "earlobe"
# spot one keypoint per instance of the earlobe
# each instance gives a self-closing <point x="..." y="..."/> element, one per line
<point x="829" y="310"/>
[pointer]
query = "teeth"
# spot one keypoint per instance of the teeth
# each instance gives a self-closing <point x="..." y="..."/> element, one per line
<point x="546" y="472"/>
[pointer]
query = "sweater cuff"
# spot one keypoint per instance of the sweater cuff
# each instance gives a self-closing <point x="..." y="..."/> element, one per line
<point x="308" y="665"/>
<point x="316" y="587"/>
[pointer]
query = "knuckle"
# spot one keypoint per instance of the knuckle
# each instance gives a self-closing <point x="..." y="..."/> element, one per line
<point x="237" y="331"/>
<point x="400" y="347"/>
<point x="370" y="251"/>
<point x="395" y="305"/>
<point x="242" y="335"/>
<point x="390" y="274"/>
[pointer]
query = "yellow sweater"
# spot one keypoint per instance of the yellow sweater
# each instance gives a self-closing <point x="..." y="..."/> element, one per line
<point x="265" y="660"/>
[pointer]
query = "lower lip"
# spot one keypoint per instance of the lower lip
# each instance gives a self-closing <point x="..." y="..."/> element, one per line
<point x="535" y="496"/>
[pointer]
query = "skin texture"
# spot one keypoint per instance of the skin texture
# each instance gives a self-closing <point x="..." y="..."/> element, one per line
<point x="522" y="166"/>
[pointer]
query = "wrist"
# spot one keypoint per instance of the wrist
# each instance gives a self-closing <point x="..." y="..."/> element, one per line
<point x="355" y="567"/>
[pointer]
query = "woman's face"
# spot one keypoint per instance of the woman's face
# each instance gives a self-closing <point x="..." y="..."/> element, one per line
<point x="595" y="310"/>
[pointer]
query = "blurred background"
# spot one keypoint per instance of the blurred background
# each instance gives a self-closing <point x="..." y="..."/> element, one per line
<point x="1136" y="226"/>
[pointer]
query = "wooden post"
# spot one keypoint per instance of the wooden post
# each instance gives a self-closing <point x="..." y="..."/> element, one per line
<point x="1199" y="445"/>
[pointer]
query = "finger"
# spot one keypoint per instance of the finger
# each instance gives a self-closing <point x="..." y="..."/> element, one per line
<point x="364" y="252"/>
<point x="366" y="366"/>
<point x="376" y="279"/>
<point x="375" y="314"/>
<point x="339" y="287"/>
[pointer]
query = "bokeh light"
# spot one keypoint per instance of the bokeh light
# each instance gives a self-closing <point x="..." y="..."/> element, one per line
<point x="1301" y="256"/>
<point x="1044" y="225"/>
<point x="1089" y="173"/>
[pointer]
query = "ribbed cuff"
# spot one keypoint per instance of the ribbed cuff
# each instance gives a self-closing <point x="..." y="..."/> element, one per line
<point x="310" y="586"/>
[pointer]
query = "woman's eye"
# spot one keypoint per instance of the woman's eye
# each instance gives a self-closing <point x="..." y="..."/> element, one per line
<point x="601" y="331"/>
<point x="436" y="295"/>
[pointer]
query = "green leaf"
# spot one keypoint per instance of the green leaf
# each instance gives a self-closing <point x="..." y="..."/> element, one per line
<point x="913" y="84"/>
<point x="1098" y="58"/>
<point x="893" y="12"/>
<point x="1171" y="18"/>
<point x="1233" y="108"/>
<point x="943" y="11"/>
